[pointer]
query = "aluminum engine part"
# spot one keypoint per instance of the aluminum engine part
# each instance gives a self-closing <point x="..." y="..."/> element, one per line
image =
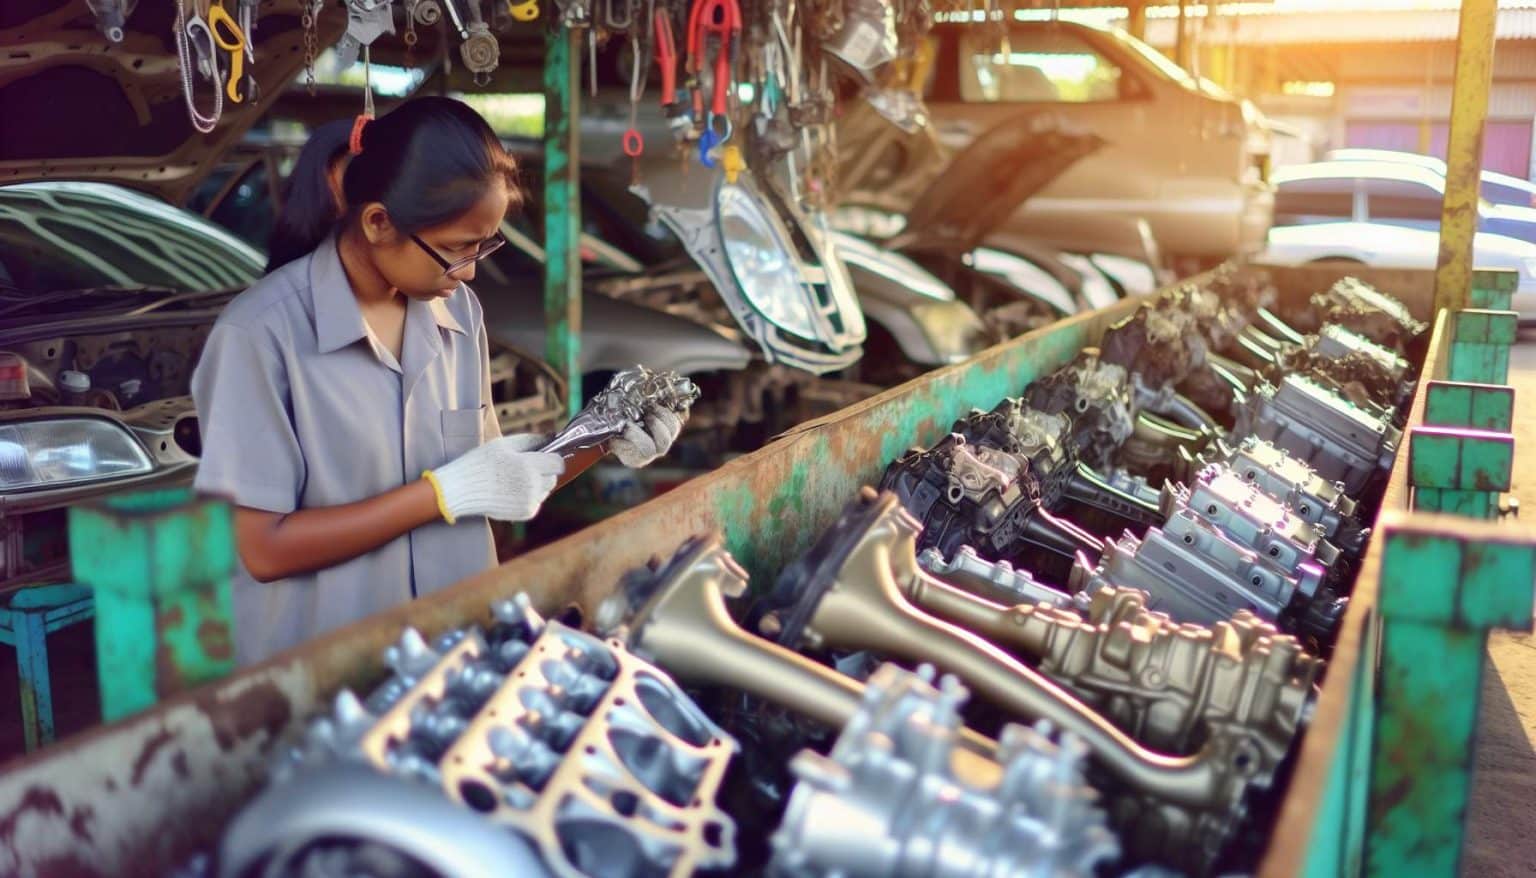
<point x="888" y="800"/>
<point x="982" y="498"/>
<point x="1096" y="395"/>
<point x="1252" y="518"/>
<point x="1313" y="498"/>
<point x="1171" y="686"/>
<point x="591" y="754"/>
<point x="845" y="595"/>
<point x="993" y="580"/>
<point x="1360" y="307"/>
<point x="1339" y="440"/>
<point x="1194" y="573"/>
<point x="629" y="397"/>
<point x="1041" y="441"/>
<point x="1337" y="341"/>
<point x="1161" y="345"/>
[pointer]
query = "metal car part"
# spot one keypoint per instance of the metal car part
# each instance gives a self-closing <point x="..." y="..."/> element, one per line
<point x="980" y="497"/>
<point x="867" y="39"/>
<point x="348" y="806"/>
<point x="887" y="800"/>
<point x="1252" y="518"/>
<point x="1195" y="573"/>
<point x="1158" y="345"/>
<point x="1361" y="308"/>
<point x="844" y="595"/>
<point x="1301" y="489"/>
<point x="629" y="397"/>
<point x="1335" y="340"/>
<point x="993" y="580"/>
<point x="1096" y="395"/>
<point x="594" y="756"/>
<point x="1339" y="440"/>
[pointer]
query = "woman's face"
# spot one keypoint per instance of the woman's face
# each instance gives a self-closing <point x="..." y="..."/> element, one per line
<point x="411" y="269"/>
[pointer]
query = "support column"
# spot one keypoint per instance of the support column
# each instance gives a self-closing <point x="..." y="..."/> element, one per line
<point x="562" y="209"/>
<point x="1464" y="152"/>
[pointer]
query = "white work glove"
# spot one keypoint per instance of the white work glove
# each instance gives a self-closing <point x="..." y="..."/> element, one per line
<point x="503" y="479"/>
<point x="636" y="447"/>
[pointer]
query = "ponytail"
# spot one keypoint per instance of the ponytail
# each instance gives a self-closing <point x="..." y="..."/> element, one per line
<point x="309" y="209"/>
<point x="428" y="161"/>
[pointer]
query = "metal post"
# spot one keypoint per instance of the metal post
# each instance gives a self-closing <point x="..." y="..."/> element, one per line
<point x="1464" y="152"/>
<point x="562" y="209"/>
<point x="159" y="566"/>
<point x="1136" y="22"/>
<point x="1181" y="46"/>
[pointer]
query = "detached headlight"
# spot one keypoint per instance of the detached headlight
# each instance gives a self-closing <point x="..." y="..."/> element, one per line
<point x="63" y="451"/>
<point x="763" y="264"/>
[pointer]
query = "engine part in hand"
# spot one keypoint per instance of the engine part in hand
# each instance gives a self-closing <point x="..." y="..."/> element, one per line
<point x="1341" y="441"/>
<point x="887" y="800"/>
<point x="979" y="497"/>
<point x="843" y="594"/>
<point x="592" y="755"/>
<point x="992" y="580"/>
<point x="629" y="397"/>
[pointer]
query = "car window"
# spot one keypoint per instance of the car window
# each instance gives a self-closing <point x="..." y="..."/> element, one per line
<point x="1402" y="202"/>
<point x="1304" y="202"/>
<point x="1035" y="63"/>
<point x="74" y="236"/>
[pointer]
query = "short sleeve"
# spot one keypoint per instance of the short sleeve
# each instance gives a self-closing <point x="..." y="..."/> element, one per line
<point x="251" y="454"/>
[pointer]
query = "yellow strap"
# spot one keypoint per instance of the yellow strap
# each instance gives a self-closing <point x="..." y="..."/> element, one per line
<point x="437" y="491"/>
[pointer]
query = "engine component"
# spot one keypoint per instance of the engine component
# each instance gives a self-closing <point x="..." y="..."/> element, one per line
<point x="888" y="801"/>
<point x="1360" y="307"/>
<point x="1159" y="344"/>
<point x="993" y="580"/>
<point x="1339" y="440"/>
<point x="1171" y="686"/>
<point x="1096" y="395"/>
<point x="843" y="595"/>
<point x="593" y="756"/>
<point x="1337" y="341"/>
<point x="1302" y="490"/>
<point x="628" y="398"/>
<point x="1252" y="518"/>
<point x="980" y="497"/>
<point x="1193" y="572"/>
<point x="1040" y="441"/>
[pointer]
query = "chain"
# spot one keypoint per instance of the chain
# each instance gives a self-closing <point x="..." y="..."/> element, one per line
<point x="202" y="123"/>
<point x="311" y="43"/>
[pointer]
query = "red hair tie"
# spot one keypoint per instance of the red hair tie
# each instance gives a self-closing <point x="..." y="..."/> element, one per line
<point x="358" y="124"/>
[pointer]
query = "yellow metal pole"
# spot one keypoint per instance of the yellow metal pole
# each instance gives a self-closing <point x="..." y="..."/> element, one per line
<point x="1464" y="152"/>
<point x="1181" y="48"/>
<point x="1136" y="24"/>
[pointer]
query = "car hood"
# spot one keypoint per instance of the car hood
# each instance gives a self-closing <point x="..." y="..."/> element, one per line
<point x="614" y="334"/>
<point x="954" y="202"/>
<point x="114" y="111"/>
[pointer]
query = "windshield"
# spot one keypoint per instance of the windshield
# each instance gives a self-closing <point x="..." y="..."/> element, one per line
<point x="1155" y="58"/>
<point x="66" y="236"/>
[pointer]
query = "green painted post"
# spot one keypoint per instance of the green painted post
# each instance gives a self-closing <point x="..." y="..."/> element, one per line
<point x="1337" y="845"/>
<point x="1459" y="470"/>
<point x="159" y="565"/>
<point x="1463" y="404"/>
<point x="1444" y="585"/>
<point x="1492" y="288"/>
<point x="562" y="209"/>
<point x="1480" y="343"/>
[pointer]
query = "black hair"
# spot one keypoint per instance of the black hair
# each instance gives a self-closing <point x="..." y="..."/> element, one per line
<point x="309" y="209"/>
<point x="428" y="161"/>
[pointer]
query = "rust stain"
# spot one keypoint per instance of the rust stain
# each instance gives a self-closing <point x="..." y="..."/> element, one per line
<point x="172" y="617"/>
<point x="44" y="802"/>
<point x="262" y="707"/>
<point x="214" y="638"/>
<point x="147" y="754"/>
<point x="179" y="765"/>
<point x="168" y="677"/>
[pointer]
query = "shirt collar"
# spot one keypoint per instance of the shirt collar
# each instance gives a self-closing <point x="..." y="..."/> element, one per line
<point x="338" y="320"/>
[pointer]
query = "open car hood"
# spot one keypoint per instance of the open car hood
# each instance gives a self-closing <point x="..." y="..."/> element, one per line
<point x="776" y="269"/>
<point x="78" y="106"/>
<point x="954" y="202"/>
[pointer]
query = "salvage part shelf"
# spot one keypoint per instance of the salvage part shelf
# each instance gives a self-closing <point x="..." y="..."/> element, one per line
<point x="143" y="792"/>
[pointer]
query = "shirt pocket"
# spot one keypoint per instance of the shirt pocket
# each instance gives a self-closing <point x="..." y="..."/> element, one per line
<point x="462" y="430"/>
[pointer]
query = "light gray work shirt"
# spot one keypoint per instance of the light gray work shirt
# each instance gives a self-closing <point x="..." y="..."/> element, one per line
<point x="301" y="407"/>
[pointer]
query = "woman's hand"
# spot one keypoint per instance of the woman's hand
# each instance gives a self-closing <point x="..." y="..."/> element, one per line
<point x="504" y="479"/>
<point x="637" y="447"/>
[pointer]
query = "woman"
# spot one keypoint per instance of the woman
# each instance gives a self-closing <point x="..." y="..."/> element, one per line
<point x="345" y="399"/>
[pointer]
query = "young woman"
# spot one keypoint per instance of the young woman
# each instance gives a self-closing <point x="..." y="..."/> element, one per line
<point x="345" y="399"/>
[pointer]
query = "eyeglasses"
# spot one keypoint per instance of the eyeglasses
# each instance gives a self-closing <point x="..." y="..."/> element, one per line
<point x="487" y="247"/>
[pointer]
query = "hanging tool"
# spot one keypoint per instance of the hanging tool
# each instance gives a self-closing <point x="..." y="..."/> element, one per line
<point x="367" y="20"/>
<point x="720" y="20"/>
<point x="112" y="16"/>
<point x="309" y="21"/>
<point x="192" y="35"/>
<point x="228" y="36"/>
<point x="246" y="14"/>
<point x="527" y="10"/>
<point x="633" y="143"/>
<point x="618" y="16"/>
<point x="480" y="51"/>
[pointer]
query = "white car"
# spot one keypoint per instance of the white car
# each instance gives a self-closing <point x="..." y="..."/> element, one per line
<point x="1385" y="246"/>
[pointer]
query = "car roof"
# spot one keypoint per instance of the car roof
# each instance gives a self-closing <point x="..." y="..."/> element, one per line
<point x="1507" y="180"/>
<point x="1368" y="154"/>
<point x="1359" y="170"/>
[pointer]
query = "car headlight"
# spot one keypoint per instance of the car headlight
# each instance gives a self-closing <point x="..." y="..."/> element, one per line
<point x="62" y="451"/>
<point x="763" y="264"/>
